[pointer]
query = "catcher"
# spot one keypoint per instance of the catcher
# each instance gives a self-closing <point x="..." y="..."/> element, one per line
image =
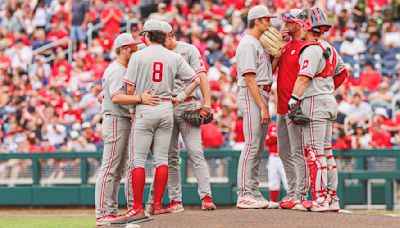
<point x="187" y="121"/>
<point x="321" y="71"/>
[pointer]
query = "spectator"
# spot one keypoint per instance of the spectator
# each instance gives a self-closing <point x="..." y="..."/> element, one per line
<point x="20" y="55"/>
<point x="40" y="15"/>
<point x="360" y="110"/>
<point x="89" y="104"/>
<point x="351" y="45"/>
<point x="162" y="13"/>
<point x="370" y="78"/>
<point x="211" y="136"/>
<point x="89" y="134"/>
<point x="361" y="139"/>
<point x="55" y="133"/>
<point x="382" y="97"/>
<point x="80" y="18"/>
<point x="13" y="137"/>
<point x="380" y="138"/>
<point x="111" y="17"/>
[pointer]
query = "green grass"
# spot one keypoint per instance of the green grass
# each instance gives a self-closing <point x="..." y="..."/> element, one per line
<point x="47" y="222"/>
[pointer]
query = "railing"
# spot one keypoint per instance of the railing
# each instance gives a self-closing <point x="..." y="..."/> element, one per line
<point x="395" y="107"/>
<point x="368" y="179"/>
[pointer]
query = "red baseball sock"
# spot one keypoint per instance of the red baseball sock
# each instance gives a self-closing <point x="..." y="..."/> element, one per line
<point x="138" y="181"/>
<point x="273" y="196"/>
<point x="160" y="182"/>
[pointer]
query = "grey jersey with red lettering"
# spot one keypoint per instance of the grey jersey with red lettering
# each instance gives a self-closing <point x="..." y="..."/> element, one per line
<point x="251" y="57"/>
<point x="192" y="56"/>
<point x="113" y="85"/>
<point x="312" y="62"/>
<point x="157" y="68"/>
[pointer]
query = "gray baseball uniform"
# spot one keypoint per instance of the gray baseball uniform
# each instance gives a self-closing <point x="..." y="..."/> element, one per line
<point x="191" y="135"/>
<point x="252" y="58"/>
<point x="319" y="104"/>
<point x="155" y="68"/>
<point x="116" y="128"/>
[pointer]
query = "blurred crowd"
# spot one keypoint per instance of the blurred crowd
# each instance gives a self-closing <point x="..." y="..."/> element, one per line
<point x="48" y="95"/>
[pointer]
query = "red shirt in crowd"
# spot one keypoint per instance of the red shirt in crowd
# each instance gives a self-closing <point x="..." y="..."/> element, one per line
<point x="239" y="130"/>
<point x="381" y="139"/>
<point x="72" y="116"/>
<point x="210" y="135"/>
<point x="271" y="141"/>
<point x="370" y="80"/>
<point x="98" y="69"/>
<point x="57" y="64"/>
<point x="112" y="26"/>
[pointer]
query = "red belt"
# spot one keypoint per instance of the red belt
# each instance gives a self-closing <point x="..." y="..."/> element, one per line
<point x="166" y="99"/>
<point x="188" y="99"/>
<point x="265" y="88"/>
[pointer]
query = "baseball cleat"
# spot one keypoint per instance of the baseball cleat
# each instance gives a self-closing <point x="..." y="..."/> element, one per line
<point x="269" y="204"/>
<point x="105" y="220"/>
<point x="175" y="207"/>
<point x="321" y="204"/>
<point x="249" y="202"/>
<point x="148" y="209"/>
<point x="207" y="204"/>
<point x="334" y="204"/>
<point x="130" y="216"/>
<point x="273" y="205"/>
<point x="287" y="202"/>
<point x="158" y="210"/>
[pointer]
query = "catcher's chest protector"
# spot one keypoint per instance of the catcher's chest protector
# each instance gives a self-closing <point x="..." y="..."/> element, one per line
<point x="329" y="69"/>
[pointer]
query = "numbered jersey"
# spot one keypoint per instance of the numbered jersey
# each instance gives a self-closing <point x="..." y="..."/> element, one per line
<point x="192" y="56"/>
<point x="157" y="68"/>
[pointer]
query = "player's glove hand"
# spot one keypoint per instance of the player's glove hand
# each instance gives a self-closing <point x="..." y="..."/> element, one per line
<point x="198" y="117"/>
<point x="271" y="39"/>
<point x="296" y="115"/>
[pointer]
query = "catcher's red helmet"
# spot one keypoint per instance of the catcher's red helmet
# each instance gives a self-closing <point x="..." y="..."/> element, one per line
<point x="314" y="19"/>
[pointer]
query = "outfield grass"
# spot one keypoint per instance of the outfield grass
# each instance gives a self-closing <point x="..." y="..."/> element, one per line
<point x="47" y="222"/>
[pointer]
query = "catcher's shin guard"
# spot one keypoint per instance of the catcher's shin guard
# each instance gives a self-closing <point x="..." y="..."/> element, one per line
<point x="332" y="172"/>
<point x="317" y="168"/>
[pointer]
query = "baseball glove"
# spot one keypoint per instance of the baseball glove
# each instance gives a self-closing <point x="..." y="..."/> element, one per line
<point x="297" y="116"/>
<point x="272" y="40"/>
<point x="197" y="117"/>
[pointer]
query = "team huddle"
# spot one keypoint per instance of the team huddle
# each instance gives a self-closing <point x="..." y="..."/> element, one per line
<point x="149" y="100"/>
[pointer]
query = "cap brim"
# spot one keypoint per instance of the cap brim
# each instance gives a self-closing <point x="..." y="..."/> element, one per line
<point x="287" y="20"/>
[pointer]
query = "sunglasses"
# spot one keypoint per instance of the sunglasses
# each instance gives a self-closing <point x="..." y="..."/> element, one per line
<point x="288" y="16"/>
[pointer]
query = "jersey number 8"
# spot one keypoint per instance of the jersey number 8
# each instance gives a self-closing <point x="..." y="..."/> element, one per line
<point x="157" y="71"/>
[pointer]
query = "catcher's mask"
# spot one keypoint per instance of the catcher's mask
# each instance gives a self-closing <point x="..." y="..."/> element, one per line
<point x="314" y="20"/>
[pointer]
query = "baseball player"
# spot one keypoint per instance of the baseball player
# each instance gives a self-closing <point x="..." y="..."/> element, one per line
<point x="276" y="173"/>
<point x="155" y="68"/>
<point x="190" y="134"/>
<point x="254" y="82"/>
<point x="289" y="134"/>
<point x="116" y="128"/>
<point x="320" y="69"/>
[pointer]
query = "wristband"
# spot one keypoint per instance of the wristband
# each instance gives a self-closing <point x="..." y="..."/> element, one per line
<point x="181" y="96"/>
<point x="294" y="97"/>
